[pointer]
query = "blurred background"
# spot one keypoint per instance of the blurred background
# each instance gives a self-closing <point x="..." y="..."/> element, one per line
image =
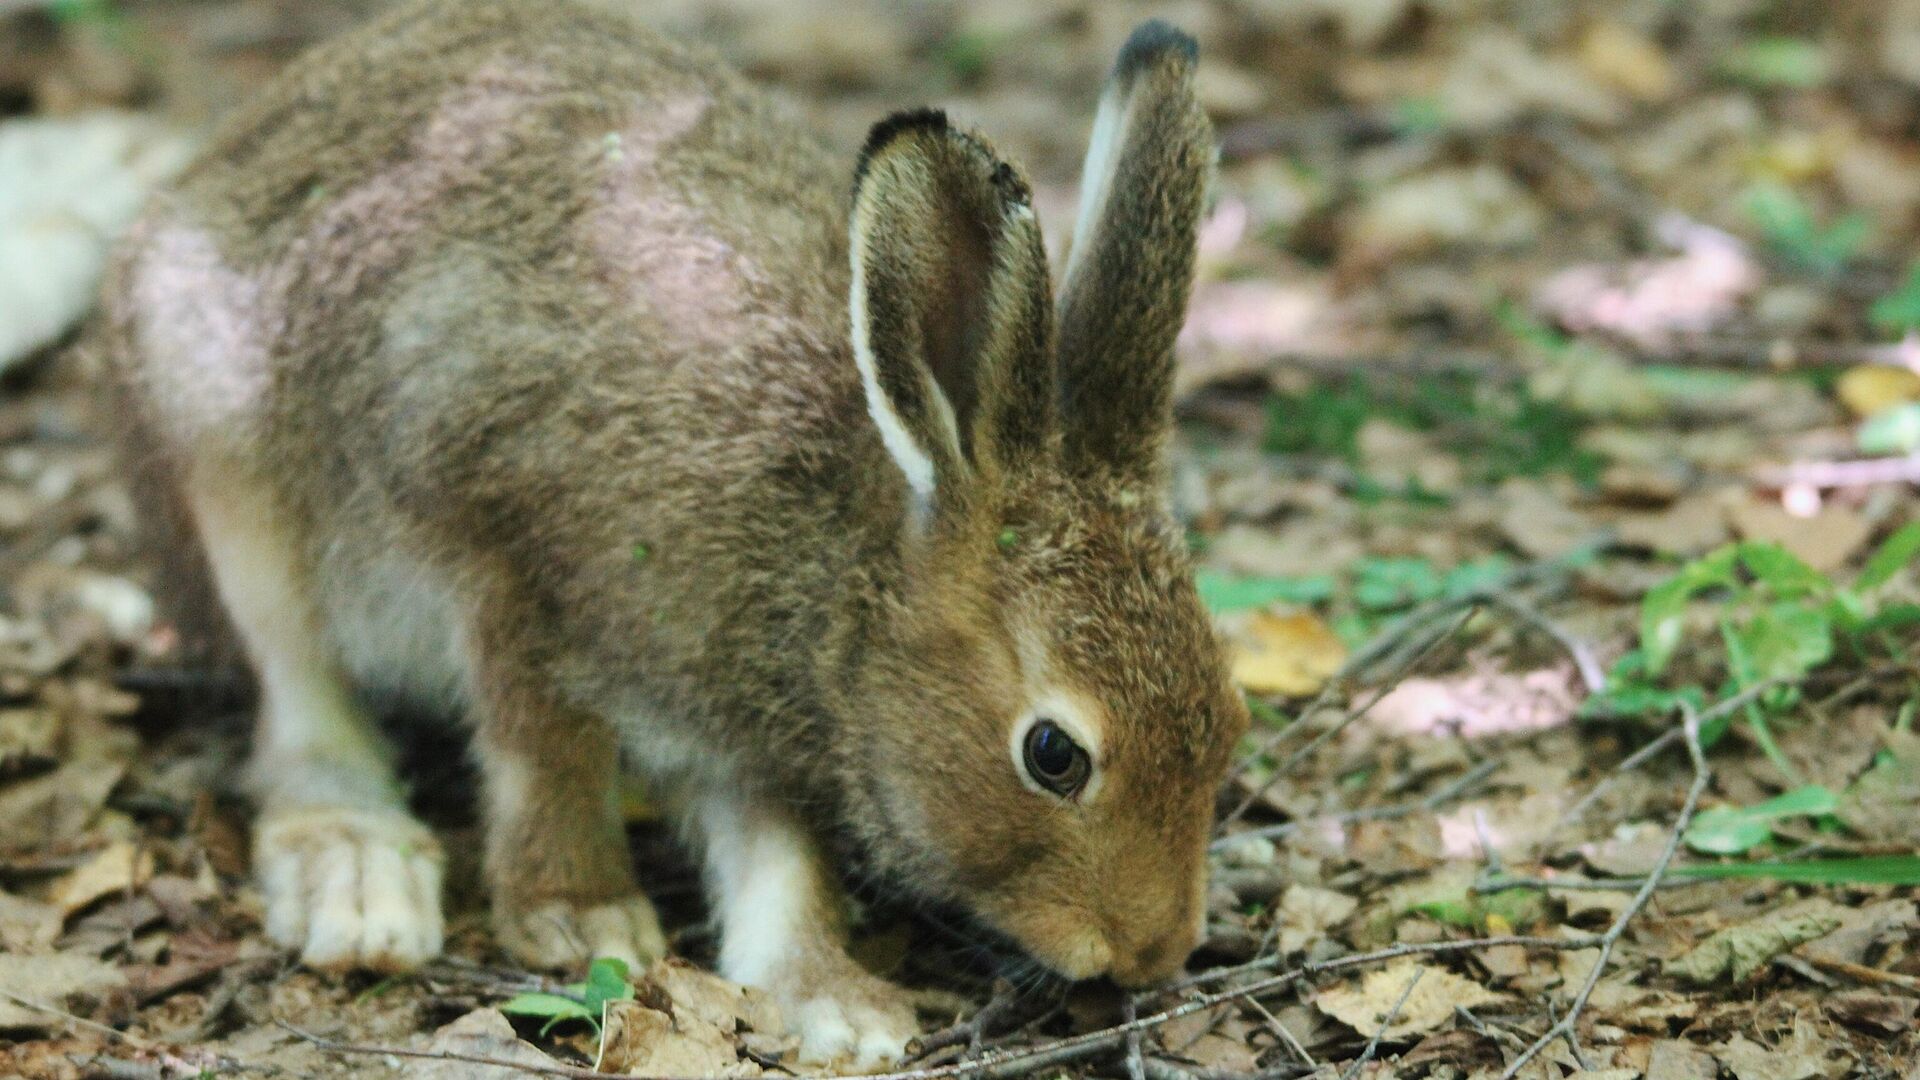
<point x="1551" y="368"/>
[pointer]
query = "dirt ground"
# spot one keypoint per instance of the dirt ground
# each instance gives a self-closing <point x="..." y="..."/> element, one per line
<point x="1548" y="414"/>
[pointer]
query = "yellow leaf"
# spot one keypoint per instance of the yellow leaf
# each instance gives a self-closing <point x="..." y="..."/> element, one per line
<point x="1625" y="60"/>
<point x="1293" y="655"/>
<point x="1874" y="388"/>
<point x="119" y="867"/>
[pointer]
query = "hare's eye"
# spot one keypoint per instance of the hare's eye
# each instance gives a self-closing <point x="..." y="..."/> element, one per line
<point x="1055" y="761"/>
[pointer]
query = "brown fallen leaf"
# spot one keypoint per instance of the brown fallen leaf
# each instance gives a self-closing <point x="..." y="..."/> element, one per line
<point x="28" y="738"/>
<point x="1292" y="655"/>
<point x="27" y="926"/>
<point x="1881" y="1014"/>
<point x="726" y="1005"/>
<point x="119" y="867"/>
<point x="1879" y="805"/>
<point x="1861" y="930"/>
<point x="1307" y="912"/>
<point x="1824" y="541"/>
<point x="55" y="980"/>
<point x="1364" y="1008"/>
<point x="1748" y="1060"/>
<point x="639" y="1039"/>
<point x="482" y="1033"/>
<point x="56" y="807"/>
<point x="1675" y="1059"/>
<point x="1538" y="521"/>
<point x="1738" y="951"/>
<point x="1216" y="1051"/>
<point x="1689" y="527"/>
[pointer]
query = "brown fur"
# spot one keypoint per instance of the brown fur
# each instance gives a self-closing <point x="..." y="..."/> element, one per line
<point x="531" y="289"/>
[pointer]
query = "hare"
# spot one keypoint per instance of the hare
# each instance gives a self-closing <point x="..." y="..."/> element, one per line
<point x="508" y="360"/>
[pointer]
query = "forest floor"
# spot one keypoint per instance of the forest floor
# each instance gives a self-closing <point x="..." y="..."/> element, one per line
<point x="1548" y="443"/>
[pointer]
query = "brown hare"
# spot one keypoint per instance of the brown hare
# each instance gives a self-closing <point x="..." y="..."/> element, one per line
<point x="508" y="360"/>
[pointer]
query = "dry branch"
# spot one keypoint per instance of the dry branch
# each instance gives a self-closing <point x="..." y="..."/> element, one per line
<point x="1021" y="1061"/>
<point x="1565" y="1026"/>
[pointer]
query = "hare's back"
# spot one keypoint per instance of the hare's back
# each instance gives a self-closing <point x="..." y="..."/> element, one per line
<point x="633" y="195"/>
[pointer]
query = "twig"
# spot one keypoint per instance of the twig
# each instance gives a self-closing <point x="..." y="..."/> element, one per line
<point x="77" y="1021"/>
<point x="1452" y="790"/>
<point x="1584" y="660"/>
<point x="1373" y="1044"/>
<point x="1136" y="1066"/>
<point x="551" y="1068"/>
<point x="1665" y="739"/>
<point x="1011" y="1061"/>
<point x="1565" y="1026"/>
<point x="1865" y="974"/>
<point x="1859" y="472"/>
<point x="1428" y="948"/>
<point x="1284" y="1034"/>
<point x="1489" y="850"/>
<point x="969" y="1032"/>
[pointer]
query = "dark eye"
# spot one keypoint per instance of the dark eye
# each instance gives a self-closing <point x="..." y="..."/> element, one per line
<point x="1055" y="761"/>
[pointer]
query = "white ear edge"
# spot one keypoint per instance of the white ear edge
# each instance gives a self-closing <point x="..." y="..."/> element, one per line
<point x="1097" y="172"/>
<point x="914" y="461"/>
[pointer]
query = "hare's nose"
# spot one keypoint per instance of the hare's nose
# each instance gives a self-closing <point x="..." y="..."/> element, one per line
<point x="1156" y="961"/>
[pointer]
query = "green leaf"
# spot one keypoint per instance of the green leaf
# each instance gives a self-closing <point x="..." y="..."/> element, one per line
<point x="1425" y="115"/>
<point x="1899" y="311"/>
<point x="1862" y="870"/>
<point x="1663" y="609"/>
<point x="1776" y="62"/>
<point x="1229" y="592"/>
<point x="1630" y="692"/>
<point x="1733" y="830"/>
<point x="606" y="981"/>
<point x="556" y="1008"/>
<point x="1476" y="576"/>
<point x="1781" y="570"/>
<point x="1455" y="912"/>
<point x="1893" y="554"/>
<point x="1386" y="584"/>
<point x="1890" y="431"/>
<point x="1782" y="642"/>
<point x="1790" y="226"/>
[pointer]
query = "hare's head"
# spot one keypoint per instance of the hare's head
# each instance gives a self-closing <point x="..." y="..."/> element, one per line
<point x="1047" y="715"/>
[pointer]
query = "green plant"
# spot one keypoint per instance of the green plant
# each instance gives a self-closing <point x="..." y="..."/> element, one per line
<point x="1736" y="830"/>
<point x="1899" y="311"/>
<point x="606" y="983"/>
<point x="1769" y="62"/>
<point x="1497" y="433"/>
<point x="1777" y="620"/>
<point x="1790" y="227"/>
<point x="1232" y="592"/>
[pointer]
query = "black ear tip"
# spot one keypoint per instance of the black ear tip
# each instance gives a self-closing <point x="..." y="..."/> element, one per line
<point x="1149" y="41"/>
<point x="894" y="126"/>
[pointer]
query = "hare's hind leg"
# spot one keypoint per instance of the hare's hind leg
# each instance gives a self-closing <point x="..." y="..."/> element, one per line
<point x="563" y="884"/>
<point x="350" y="878"/>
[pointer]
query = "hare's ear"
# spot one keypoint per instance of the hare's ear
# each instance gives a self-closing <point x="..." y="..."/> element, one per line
<point x="1124" y="293"/>
<point x="952" y="309"/>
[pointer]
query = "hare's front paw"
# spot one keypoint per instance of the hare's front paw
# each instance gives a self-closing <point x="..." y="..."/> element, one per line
<point x="559" y="934"/>
<point x="844" y="1016"/>
<point x="350" y="888"/>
